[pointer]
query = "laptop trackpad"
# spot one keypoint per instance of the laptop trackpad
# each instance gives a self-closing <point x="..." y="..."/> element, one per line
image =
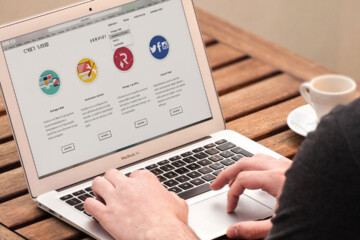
<point x="209" y="218"/>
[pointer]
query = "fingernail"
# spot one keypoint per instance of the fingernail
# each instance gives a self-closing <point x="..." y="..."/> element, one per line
<point x="231" y="232"/>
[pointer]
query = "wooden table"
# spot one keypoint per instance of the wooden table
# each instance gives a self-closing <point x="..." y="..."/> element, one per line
<point x="258" y="86"/>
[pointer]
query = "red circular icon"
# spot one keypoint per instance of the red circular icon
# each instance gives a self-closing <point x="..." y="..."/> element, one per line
<point x="123" y="58"/>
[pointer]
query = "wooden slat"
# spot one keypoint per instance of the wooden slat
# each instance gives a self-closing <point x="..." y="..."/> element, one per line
<point x="51" y="228"/>
<point x="20" y="211"/>
<point x="259" y="95"/>
<point x="5" y="130"/>
<point x="286" y="143"/>
<point x="241" y="73"/>
<point x="2" y="105"/>
<point x="259" y="48"/>
<point x="12" y="183"/>
<point x="207" y="40"/>
<point x="8" y="154"/>
<point x="264" y="122"/>
<point x="6" y="234"/>
<point x="220" y="54"/>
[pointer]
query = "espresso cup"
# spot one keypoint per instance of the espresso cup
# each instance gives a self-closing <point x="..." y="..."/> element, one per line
<point x="324" y="92"/>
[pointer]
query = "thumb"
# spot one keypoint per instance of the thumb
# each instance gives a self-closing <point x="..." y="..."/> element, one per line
<point x="250" y="229"/>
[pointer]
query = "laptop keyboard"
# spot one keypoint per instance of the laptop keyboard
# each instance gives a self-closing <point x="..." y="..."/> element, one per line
<point x="188" y="174"/>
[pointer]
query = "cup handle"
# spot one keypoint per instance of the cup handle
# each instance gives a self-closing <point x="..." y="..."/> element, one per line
<point x="305" y="93"/>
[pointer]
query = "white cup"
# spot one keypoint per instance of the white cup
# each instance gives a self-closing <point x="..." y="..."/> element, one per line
<point x="324" y="92"/>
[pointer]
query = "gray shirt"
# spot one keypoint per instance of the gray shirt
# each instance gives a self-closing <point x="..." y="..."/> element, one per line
<point x="321" y="195"/>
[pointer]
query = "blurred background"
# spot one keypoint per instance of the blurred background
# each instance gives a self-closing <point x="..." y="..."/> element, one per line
<point x="324" y="31"/>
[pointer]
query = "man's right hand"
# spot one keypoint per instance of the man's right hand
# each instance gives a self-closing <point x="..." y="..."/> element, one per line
<point x="259" y="172"/>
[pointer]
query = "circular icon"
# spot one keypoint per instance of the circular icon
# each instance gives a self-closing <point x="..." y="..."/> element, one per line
<point x="87" y="70"/>
<point x="49" y="82"/>
<point x="159" y="47"/>
<point x="123" y="58"/>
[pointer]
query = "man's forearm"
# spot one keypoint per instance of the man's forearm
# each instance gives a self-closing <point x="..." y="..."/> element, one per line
<point x="174" y="230"/>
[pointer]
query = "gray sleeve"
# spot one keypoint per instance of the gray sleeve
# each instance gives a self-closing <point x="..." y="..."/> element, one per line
<point x="321" y="196"/>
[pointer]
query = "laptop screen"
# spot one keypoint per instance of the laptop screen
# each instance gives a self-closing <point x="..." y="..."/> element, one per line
<point x="107" y="82"/>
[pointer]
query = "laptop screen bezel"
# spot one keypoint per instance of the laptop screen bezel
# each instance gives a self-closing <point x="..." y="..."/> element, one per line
<point x="85" y="171"/>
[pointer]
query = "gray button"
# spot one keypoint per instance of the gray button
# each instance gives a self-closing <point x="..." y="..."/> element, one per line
<point x="104" y="135"/>
<point x="68" y="148"/>
<point x="176" y="111"/>
<point x="141" y="123"/>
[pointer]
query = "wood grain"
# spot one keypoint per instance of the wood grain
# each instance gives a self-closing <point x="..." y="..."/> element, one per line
<point x="12" y="183"/>
<point x="239" y="74"/>
<point x="51" y="228"/>
<point x="257" y="96"/>
<point x="207" y="40"/>
<point x="266" y="121"/>
<point x="2" y="105"/>
<point x="286" y="143"/>
<point x="19" y="211"/>
<point x="5" y="129"/>
<point x="258" y="48"/>
<point x="8" y="154"/>
<point x="220" y="54"/>
<point x="6" y="234"/>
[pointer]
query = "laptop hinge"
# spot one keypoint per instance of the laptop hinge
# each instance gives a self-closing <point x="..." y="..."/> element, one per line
<point x="135" y="163"/>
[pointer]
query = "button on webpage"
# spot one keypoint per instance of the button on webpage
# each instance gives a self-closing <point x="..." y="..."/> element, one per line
<point x="176" y="111"/>
<point x="104" y="135"/>
<point x="68" y="148"/>
<point x="141" y="123"/>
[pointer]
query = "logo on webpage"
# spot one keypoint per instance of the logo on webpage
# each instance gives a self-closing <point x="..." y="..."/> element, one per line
<point x="123" y="58"/>
<point x="49" y="82"/>
<point x="87" y="70"/>
<point x="159" y="47"/>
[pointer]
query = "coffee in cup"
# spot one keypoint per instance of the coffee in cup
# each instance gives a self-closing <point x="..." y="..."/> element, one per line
<point x="324" y="92"/>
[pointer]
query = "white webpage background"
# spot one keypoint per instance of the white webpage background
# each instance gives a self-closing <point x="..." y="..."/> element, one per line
<point x="63" y="55"/>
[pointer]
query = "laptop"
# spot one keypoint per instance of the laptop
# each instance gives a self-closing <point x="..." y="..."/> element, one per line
<point x="127" y="85"/>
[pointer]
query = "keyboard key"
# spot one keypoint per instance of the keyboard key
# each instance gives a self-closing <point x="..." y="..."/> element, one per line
<point x="80" y="207"/>
<point x="78" y="193"/>
<point x="194" y="174"/>
<point x="89" y="189"/>
<point x="211" y="145"/>
<point x="195" y="191"/>
<point x="128" y="174"/>
<point x="205" y="170"/>
<point x="186" y="154"/>
<point x="204" y="162"/>
<point x="216" y="173"/>
<point x="84" y="197"/>
<point x="216" y="158"/>
<point x="175" y="158"/>
<point x="73" y="201"/>
<point x="171" y="183"/>
<point x="227" y="154"/>
<point x="190" y="160"/>
<point x="161" y="178"/>
<point x="182" y="179"/>
<point x="212" y="151"/>
<point x="170" y="175"/>
<point x="197" y="150"/>
<point x="175" y="189"/>
<point x="201" y="155"/>
<point x="197" y="182"/>
<point x="179" y="164"/>
<point x="84" y="212"/>
<point x="216" y="166"/>
<point x="152" y="166"/>
<point x="228" y="162"/>
<point x="182" y="171"/>
<point x="226" y="146"/>
<point x="208" y="177"/>
<point x="167" y="168"/>
<point x="221" y="142"/>
<point x="156" y="171"/>
<point x="193" y="166"/>
<point x="236" y="150"/>
<point x="92" y="193"/>
<point x="237" y="157"/>
<point x="66" y="197"/>
<point x="186" y="186"/>
<point x="239" y="150"/>
<point x="163" y="162"/>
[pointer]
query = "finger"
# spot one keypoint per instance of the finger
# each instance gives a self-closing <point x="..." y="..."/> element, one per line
<point x="102" y="188"/>
<point x="115" y="177"/>
<point x="256" y="163"/>
<point x="269" y="181"/>
<point x="94" y="208"/>
<point x="138" y="173"/>
<point x="250" y="230"/>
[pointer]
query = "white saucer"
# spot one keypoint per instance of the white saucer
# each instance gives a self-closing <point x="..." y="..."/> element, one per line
<point x="302" y="120"/>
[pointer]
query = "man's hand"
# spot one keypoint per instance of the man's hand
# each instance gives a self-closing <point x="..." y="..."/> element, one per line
<point x="259" y="172"/>
<point x="138" y="207"/>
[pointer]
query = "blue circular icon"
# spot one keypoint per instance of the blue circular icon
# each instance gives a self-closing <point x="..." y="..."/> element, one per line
<point x="159" y="47"/>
